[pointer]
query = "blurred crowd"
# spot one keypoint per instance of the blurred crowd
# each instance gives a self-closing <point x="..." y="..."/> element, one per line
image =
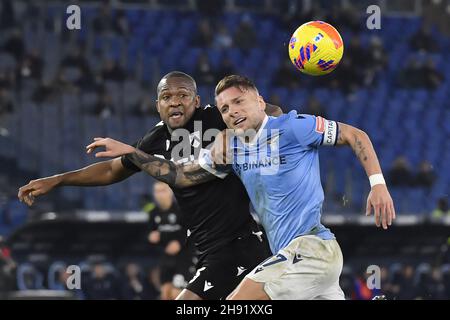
<point x="83" y="68"/>
<point x="399" y="282"/>
<point x="134" y="281"/>
<point x="360" y="66"/>
<point x="401" y="174"/>
<point x="173" y="263"/>
<point x="81" y="65"/>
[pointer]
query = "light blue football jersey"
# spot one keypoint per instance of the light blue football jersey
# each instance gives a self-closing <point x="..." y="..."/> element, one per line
<point x="280" y="171"/>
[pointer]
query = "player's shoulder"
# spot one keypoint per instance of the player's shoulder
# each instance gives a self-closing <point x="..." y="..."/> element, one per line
<point x="293" y="124"/>
<point x="285" y="118"/>
<point x="298" y="117"/>
<point x="156" y="134"/>
<point x="211" y="117"/>
<point x="158" y="130"/>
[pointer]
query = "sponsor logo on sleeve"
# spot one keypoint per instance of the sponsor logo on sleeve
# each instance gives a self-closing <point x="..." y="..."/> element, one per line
<point x="320" y="124"/>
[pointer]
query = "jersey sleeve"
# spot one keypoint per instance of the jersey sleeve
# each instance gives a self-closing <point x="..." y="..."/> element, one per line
<point x="205" y="161"/>
<point x="312" y="130"/>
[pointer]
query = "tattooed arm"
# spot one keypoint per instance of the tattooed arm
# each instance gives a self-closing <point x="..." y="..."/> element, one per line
<point x="379" y="197"/>
<point x="175" y="175"/>
<point x="359" y="141"/>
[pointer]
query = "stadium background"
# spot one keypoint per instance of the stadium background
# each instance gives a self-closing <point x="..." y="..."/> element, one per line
<point x="61" y="88"/>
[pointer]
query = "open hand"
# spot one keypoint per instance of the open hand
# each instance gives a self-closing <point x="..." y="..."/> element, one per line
<point x="383" y="207"/>
<point x="113" y="148"/>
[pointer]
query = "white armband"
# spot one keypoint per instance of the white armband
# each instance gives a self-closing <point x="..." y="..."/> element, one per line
<point x="330" y="132"/>
<point x="376" y="179"/>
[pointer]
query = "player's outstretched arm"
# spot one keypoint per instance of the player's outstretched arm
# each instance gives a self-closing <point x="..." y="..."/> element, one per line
<point x="379" y="198"/>
<point x="98" y="174"/>
<point x="175" y="175"/>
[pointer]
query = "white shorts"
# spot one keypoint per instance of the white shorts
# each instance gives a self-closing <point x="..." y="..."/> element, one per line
<point x="307" y="268"/>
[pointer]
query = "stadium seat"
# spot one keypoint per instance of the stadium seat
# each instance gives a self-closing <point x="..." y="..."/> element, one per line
<point x="388" y="113"/>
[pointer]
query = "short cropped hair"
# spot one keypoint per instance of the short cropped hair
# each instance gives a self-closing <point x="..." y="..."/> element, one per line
<point x="235" y="81"/>
<point x="178" y="74"/>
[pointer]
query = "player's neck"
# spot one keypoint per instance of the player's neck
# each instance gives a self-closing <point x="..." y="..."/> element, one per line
<point x="185" y="126"/>
<point x="259" y="125"/>
<point x="256" y="132"/>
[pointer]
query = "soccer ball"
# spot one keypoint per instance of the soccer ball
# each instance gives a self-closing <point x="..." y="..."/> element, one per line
<point x="316" y="48"/>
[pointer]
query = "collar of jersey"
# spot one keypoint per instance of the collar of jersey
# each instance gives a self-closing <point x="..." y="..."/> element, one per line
<point x="256" y="137"/>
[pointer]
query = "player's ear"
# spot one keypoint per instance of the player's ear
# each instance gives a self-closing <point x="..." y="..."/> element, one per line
<point x="197" y="101"/>
<point x="157" y="105"/>
<point x="262" y="103"/>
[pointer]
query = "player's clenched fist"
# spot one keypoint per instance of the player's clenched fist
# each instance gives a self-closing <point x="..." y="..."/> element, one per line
<point x="220" y="151"/>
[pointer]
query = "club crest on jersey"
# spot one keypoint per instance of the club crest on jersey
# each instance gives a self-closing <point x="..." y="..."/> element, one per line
<point x="167" y="145"/>
<point x="195" y="139"/>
